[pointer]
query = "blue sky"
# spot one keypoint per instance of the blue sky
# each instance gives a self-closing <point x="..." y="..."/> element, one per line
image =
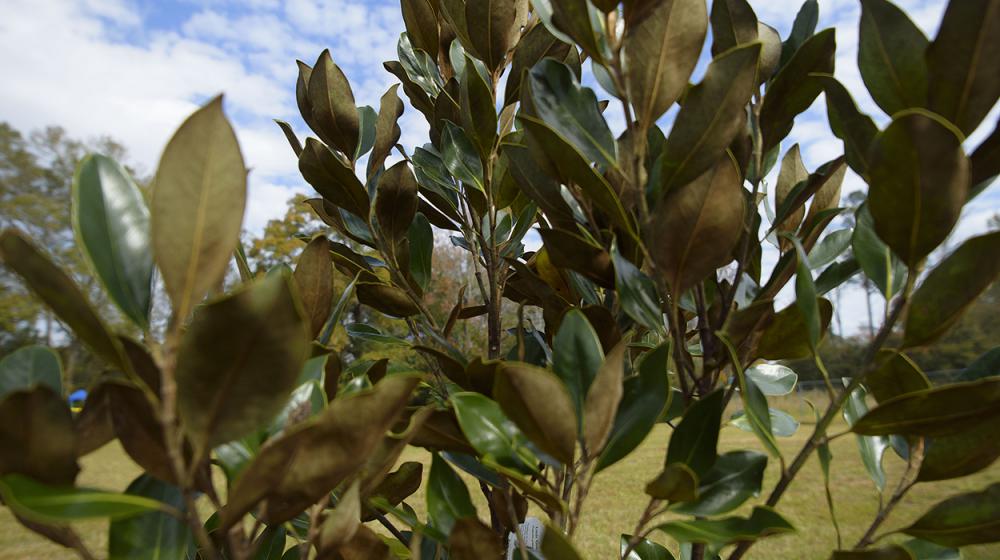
<point x="134" y="69"/>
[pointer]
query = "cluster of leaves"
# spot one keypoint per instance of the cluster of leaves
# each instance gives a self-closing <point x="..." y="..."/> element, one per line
<point x="655" y="302"/>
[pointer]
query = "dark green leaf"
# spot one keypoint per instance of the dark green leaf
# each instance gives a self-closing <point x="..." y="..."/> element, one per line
<point x="534" y="45"/>
<point x="494" y="27"/>
<point x="420" y="19"/>
<point x="557" y="546"/>
<point x="963" y="453"/>
<point x="111" y="222"/>
<point x="919" y="180"/>
<point x="577" y="355"/>
<point x="489" y="431"/>
<point x="366" y="131"/>
<point x="985" y="163"/>
<point x="986" y="365"/>
<point x="61" y="504"/>
<point x="793" y="90"/>
<point x="152" y="535"/>
<point x="644" y="550"/>
<point x="951" y="288"/>
<point x="855" y="128"/>
<point x="836" y="274"/>
<point x="872" y="447"/>
<point x="421" y="240"/>
<point x="637" y="292"/>
<point x="478" y="112"/>
<point x="571" y="111"/>
<point x="60" y="293"/>
<point x="733" y="23"/>
<point x="447" y="496"/>
<point x="891" y="552"/>
<point x="238" y="362"/>
<point x="660" y="50"/>
<point x="895" y="375"/>
<point x="891" y="57"/>
<point x="787" y="336"/>
<point x="28" y="367"/>
<point x="578" y="19"/>
<point x="197" y="206"/>
<point x="963" y="86"/>
<point x="695" y="440"/>
<point x="644" y="398"/>
<point x="714" y="111"/>
<point x="961" y="520"/>
<point x="763" y="522"/>
<point x="569" y="250"/>
<point x="603" y="397"/>
<point x="695" y="227"/>
<point x="460" y="156"/>
<point x="735" y="477"/>
<point x="932" y="412"/>
<point x="471" y="540"/>
<point x="754" y="402"/>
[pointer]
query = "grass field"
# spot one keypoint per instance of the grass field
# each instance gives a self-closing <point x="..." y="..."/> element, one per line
<point x="617" y="499"/>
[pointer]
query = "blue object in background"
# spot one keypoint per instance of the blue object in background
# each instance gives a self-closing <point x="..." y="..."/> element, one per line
<point x="76" y="399"/>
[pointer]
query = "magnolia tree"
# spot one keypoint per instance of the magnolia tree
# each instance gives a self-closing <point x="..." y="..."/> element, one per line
<point x="651" y="300"/>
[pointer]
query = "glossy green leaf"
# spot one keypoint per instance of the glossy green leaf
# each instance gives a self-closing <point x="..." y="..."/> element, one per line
<point x="637" y="291"/>
<point x="644" y="550"/>
<point x="366" y="131"/>
<point x="855" y="128"/>
<point x="696" y="437"/>
<point x="735" y="478"/>
<point x="968" y="451"/>
<point x="238" y="362"/>
<point x="891" y="57"/>
<point x="421" y="241"/>
<point x="420" y="19"/>
<point x="494" y="27"/>
<point x="490" y="431"/>
<point x="873" y="256"/>
<point x="919" y="179"/>
<point x="805" y="296"/>
<point x="782" y="423"/>
<point x="773" y="379"/>
<point x="872" y="447"/>
<point x="536" y="44"/>
<point x="925" y="550"/>
<point x="395" y="202"/>
<point x="478" y="112"/>
<point x="197" y="206"/>
<point x="152" y="535"/>
<point x="578" y="19"/>
<point x="836" y="275"/>
<point x="111" y="222"/>
<point x="576" y="356"/>
<point x="660" y="51"/>
<point x="791" y="178"/>
<point x="62" y="504"/>
<point x="447" y="496"/>
<point x="54" y="287"/>
<point x="541" y="405"/>
<point x="793" y="90"/>
<point x="387" y="129"/>
<point x="696" y="226"/>
<point x="644" y="397"/>
<point x="460" y="156"/>
<point x="334" y="115"/>
<point x="961" y="61"/>
<point x="961" y="520"/>
<point x="333" y="178"/>
<point x="571" y="111"/>
<point x="24" y="415"/>
<point x="713" y="113"/>
<point x="271" y="543"/>
<point x="763" y="522"/>
<point x="951" y="287"/>
<point x="754" y="402"/>
<point x="938" y="411"/>
<point x="28" y="367"/>
<point x="896" y="374"/>
<point x="327" y="449"/>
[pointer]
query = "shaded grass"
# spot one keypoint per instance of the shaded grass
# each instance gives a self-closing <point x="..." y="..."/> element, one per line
<point x="617" y="499"/>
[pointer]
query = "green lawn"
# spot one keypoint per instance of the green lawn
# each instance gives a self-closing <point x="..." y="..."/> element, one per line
<point x="617" y="499"/>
